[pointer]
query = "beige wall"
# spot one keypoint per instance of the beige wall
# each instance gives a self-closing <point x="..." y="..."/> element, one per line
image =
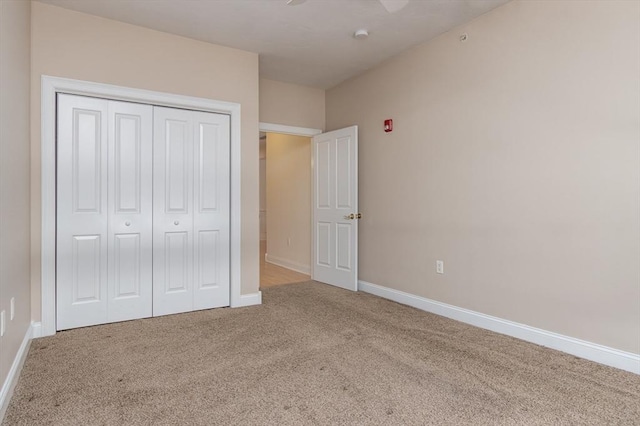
<point x="515" y="160"/>
<point x="14" y="176"/>
<point x="291" y="104"/>
<point x="289" y="200"/>
<point x="79" y="46"/>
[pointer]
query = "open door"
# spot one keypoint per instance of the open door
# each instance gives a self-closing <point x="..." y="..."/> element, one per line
<point x="335" y="208"/>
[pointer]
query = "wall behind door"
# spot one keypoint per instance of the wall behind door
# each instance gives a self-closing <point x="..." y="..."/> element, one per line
<point x="289" y="201"/>
<point x="79" y="46"/>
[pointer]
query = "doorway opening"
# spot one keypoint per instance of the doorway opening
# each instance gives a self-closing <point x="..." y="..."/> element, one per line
<point x="329" y="172"/>
<point x="285" y="209"/>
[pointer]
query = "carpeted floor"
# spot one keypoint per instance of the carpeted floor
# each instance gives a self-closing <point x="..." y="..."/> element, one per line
<point x="311" y="354"/>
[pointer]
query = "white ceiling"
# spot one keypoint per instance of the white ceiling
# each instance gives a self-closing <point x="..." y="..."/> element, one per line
<point x="310" y="43"/>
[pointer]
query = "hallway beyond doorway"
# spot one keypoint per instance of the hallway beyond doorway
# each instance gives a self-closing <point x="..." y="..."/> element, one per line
<point x="272" y="275"/>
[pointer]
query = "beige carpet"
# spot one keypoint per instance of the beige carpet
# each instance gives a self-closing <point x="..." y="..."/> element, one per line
<point x="311" y="354"/>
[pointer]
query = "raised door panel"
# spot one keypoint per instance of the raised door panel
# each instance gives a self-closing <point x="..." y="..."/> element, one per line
<point x="87" y="261"/>
<point x="343" y="246"/>
<point x="343" y="174"/>
<point x="208" y="156"/>
<point x="211" y="212"/>
<point x="208" y="271"/>
<point x="177" y="265"/>
<point x="81" y="214"/>
<point x="126" y="262"/>
<point x="130" y="211"/>
<point x="323" y="174"/>
<point x="323" y="244"/>
<point x="87" y="161"/>
<point x="177" y="165"/>
<point x="127" y="163"/>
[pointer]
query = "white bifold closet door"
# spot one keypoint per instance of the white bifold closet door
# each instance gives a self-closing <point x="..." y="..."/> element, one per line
<point x="104" y="210"/>
<point x="191" y="210"/>
<point x="142" y="211"/>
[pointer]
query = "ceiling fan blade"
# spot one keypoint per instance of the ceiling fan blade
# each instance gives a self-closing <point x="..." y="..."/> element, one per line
<point x="394" y="5"/>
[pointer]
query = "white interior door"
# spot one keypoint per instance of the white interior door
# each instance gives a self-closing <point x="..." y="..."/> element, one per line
<point x="211" y="210"/>
<point x="103" y="253"/>
<point x="191" y="210"/>
<point x="335" y="208"/>
<point x="82" y="222"/>
<point x="130" y="248"/>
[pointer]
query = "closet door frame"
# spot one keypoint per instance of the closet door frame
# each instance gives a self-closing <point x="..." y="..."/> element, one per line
<point x="50" y="87"/>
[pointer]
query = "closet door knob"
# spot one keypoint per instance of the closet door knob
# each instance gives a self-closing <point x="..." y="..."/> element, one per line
<point x="127" y="223"/>
<point x="176" y="222"/>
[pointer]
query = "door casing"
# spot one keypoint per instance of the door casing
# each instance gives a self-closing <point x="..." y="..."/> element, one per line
<point x="297" y="131"/>
<point x="307" y="132"/>
<point x="51" y="86"/>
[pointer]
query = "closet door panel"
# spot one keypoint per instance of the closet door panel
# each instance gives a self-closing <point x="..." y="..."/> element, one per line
<point x="130" y="211"/>
<point x="173" y="211"/>
<point x="211" y="210"/>
<point x="81" y="212"/>
<point x="142" y="211"/>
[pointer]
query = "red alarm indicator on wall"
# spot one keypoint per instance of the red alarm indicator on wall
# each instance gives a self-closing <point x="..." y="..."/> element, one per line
<point x="388" y="125"/>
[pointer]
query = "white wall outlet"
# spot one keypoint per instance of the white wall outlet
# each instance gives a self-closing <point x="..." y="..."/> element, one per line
<point x="439" y="267"/>
<point x="2" y="324"/>
<point x="13" y="309"/>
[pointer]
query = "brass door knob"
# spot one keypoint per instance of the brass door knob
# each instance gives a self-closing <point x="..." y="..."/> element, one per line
<point x="350" y="217"/>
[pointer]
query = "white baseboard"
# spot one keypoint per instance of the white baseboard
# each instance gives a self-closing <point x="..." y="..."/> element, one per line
<point x="36" y="330"/>
<point x="289" y="264"/>
<point x="14" y="372"/>
<point x="592" y="351"/>
<point x="249" y="300"/>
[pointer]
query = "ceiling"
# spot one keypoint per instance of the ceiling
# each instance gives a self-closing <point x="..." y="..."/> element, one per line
<point x="310" y="43"/>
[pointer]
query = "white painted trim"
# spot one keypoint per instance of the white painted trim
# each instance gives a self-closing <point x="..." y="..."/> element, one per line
<point x="249" y="300"/>
<point x="288" y="130"/>
<point x="592" y="351"/>
<point x="14" y="373"/>
<point x="36" y="330"/>
<point x="53" y="85"/>
<point x="289" y="264"/>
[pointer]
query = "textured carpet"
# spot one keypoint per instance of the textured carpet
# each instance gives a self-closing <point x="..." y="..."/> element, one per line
<point x="311" y="354"/>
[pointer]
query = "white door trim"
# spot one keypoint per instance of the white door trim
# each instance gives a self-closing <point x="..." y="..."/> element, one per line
<point x="288" y="130"/>
<point x="53" y="85"/>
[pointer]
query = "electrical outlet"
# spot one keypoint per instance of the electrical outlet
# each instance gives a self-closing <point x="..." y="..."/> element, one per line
<point x="13" y="309"/>
<point x="2" y="324"/>
<point x="289" y="241"/>
<point x="439" y="267"/>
